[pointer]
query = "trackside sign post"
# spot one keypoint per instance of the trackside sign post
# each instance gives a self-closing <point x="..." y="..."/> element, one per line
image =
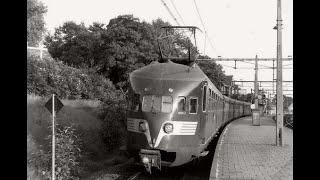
<point x="53" y="105"/>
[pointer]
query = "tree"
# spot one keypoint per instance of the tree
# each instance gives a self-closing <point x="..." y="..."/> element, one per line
<point x="118" y="48"/>
<point x="114" y="50"/>
<point x="35" y="21"/>
<point x="213" y="71"/>
<point x="73" y="44"/>
<point x="130" y="44"/>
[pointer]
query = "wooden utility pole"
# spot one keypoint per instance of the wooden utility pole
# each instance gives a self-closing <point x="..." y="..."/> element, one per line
<point x="256" y="86"/>
<point x="53" y="138"/>
<point x="279" y="124"/>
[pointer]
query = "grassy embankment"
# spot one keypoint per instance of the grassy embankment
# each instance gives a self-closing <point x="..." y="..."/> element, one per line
<point x="83" y="115"/>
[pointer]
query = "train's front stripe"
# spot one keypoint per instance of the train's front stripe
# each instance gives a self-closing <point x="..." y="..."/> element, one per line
<point x="168" y="128"/>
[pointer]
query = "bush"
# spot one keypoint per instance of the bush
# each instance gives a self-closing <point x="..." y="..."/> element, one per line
<point x="67" y="152"/>
<point x="48" y="76"/>
<point x="113" y="117"/>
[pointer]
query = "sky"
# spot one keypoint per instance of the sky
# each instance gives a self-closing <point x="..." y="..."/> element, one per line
<point x="236" y="28"/>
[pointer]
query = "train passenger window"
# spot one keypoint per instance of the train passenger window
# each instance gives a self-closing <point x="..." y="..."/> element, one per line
<point x="166" y="104"/>
<point x="204" y="98"/>
<point x="181" y="105"/>
<point x="193" y="106"/>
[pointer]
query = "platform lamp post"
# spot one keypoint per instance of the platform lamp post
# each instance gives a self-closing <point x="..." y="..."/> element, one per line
<point x="279" y="109"/>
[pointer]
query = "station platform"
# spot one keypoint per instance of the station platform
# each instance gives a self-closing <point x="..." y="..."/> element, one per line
<point x="248" y="152"/>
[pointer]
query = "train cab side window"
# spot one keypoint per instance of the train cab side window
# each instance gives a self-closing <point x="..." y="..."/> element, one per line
<point x="135" y="102"/>
<point x="204" y="98"/>
<point x="166" y="104"/>
<point x="181" y="105"/>
<point x="193" y="106"/>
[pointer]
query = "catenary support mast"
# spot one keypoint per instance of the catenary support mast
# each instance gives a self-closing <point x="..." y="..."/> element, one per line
<point x="279" y="124"/>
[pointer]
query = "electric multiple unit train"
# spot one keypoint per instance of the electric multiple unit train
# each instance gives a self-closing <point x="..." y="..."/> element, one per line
<point x="175" y="111"/>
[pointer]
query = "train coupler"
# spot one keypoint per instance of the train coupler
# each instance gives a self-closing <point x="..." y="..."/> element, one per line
<point x="150" y="158"/>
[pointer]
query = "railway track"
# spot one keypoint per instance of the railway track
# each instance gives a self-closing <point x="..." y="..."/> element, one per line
<point x="134" y="176"/>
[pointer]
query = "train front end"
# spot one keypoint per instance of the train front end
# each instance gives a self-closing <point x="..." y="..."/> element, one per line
<point x="163" y="119"/>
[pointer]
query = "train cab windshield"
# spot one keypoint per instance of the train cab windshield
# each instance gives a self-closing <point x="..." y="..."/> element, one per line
<point x="153" y="103"/>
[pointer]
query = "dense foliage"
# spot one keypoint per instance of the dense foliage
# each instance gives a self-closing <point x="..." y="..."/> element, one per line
<point x="68" y="152"/>
<point x="116" y="49"/>
<point x="48" y="76"/>
<point x="35" y="21"/>
<point x="214" y="72"/>
<point x="113" y="50"/>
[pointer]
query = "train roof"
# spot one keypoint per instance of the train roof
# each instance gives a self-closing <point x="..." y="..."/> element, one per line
<point x="169" y="71"/>
<point x="226" y="98"/>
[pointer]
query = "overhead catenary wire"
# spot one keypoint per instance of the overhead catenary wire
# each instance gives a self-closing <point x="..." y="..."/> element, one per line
<point x="259" y="64"/>
<point x="174" y="18"/>
<point x="287" y="65"/>
<point x="175" y="8"/>
<point x="206" y="34"/>
<point x="203" y="26"/>
<point x="227" y="66"/>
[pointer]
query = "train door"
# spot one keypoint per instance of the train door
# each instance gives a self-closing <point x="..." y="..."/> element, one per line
<point x="211" y="112"/>
<point x="222" y="111"/>
<point x="226" y="111"/>
<point x="241" y="110"/>
<point x="219" y="112"/>
<point x="204" y="118"/>
<point x="238" y="110"/>
<point x="230" y="111"/>
<point x="233" y="110"/>
<point x="215" y="107"/>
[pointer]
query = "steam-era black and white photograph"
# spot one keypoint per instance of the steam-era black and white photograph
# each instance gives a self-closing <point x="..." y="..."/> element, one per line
<point x="159" y="89"/>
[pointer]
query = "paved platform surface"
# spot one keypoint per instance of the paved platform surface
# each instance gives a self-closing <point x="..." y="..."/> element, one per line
<point x="247" y="152"/>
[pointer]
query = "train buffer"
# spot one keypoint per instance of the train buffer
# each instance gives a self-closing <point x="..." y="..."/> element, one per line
<point x="245" y="151"/>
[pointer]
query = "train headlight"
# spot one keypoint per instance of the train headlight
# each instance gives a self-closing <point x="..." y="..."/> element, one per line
<point x="168" y="128"/>
<point x="142" y="127"/>
<point x="145" y="160"/>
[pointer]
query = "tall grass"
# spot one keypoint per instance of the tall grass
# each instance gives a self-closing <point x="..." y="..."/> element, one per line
<point x="74" y="113"/>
